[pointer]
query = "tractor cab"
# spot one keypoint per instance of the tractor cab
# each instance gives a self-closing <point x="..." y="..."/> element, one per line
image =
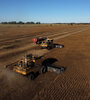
<point x="49" y="41"/>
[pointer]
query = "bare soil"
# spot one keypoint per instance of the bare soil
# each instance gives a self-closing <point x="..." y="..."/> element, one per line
<point x="73" y="84"/>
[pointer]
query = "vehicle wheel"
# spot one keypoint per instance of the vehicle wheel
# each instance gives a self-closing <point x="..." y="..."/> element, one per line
<point x="42" y="48"/>
<point x="48" y="48"/>
<point x="62" y="69"/>
<point x="43" y="69"/>
<point x="32" y="76"/>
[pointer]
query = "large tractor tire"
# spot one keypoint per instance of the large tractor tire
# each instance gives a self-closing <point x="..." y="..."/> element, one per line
<point x="43" y="69"/>
<point x="48" y="47"/>
<point x="31" y="76"/>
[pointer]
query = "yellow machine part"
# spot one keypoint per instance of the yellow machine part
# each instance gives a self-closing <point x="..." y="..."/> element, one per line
<point x="33" y="60"/>
<point x="44" y="45"/>
<point x="20" y="70"/>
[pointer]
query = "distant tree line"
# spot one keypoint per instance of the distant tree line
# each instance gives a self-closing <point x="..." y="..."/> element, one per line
<point x="20" y="22"/>
<point x="73" y="23"/>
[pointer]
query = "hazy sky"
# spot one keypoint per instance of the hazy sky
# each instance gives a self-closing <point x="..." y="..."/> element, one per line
<point x="45" y="10"/>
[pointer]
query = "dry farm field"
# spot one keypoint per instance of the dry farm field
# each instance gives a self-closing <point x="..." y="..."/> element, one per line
<point x="73" y="84"/>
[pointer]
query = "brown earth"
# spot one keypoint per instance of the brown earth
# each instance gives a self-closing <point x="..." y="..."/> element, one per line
<point x="73" y="84"/>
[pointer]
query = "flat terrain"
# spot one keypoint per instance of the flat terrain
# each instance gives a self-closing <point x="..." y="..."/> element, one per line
<point x="73" y="84"/>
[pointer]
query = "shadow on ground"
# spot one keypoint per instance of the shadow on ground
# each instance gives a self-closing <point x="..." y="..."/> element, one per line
<point x="49" y="62"/>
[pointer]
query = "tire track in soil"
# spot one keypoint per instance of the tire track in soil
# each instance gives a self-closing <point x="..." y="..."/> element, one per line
<point x="30" y="36"/>
<point x="73" y="85"/>
<point x="21" y="51"/>
<point x="21" y="90"/>
<point x="9" y="43"/>
<point x="73" y="88"/>
<point x="32" y="45"/>
<point x="52" y="91"/>
<point x="27" y="35"/>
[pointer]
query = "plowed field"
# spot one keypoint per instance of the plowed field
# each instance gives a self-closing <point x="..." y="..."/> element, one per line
<point x="73" y="84"/>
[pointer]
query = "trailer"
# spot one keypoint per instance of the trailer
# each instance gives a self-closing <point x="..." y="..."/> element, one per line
<point x="55" y="69"/>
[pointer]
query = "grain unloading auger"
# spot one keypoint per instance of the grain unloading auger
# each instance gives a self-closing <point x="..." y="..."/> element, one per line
<point x="46" y="43"/>
<point x="27" y="66"/>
